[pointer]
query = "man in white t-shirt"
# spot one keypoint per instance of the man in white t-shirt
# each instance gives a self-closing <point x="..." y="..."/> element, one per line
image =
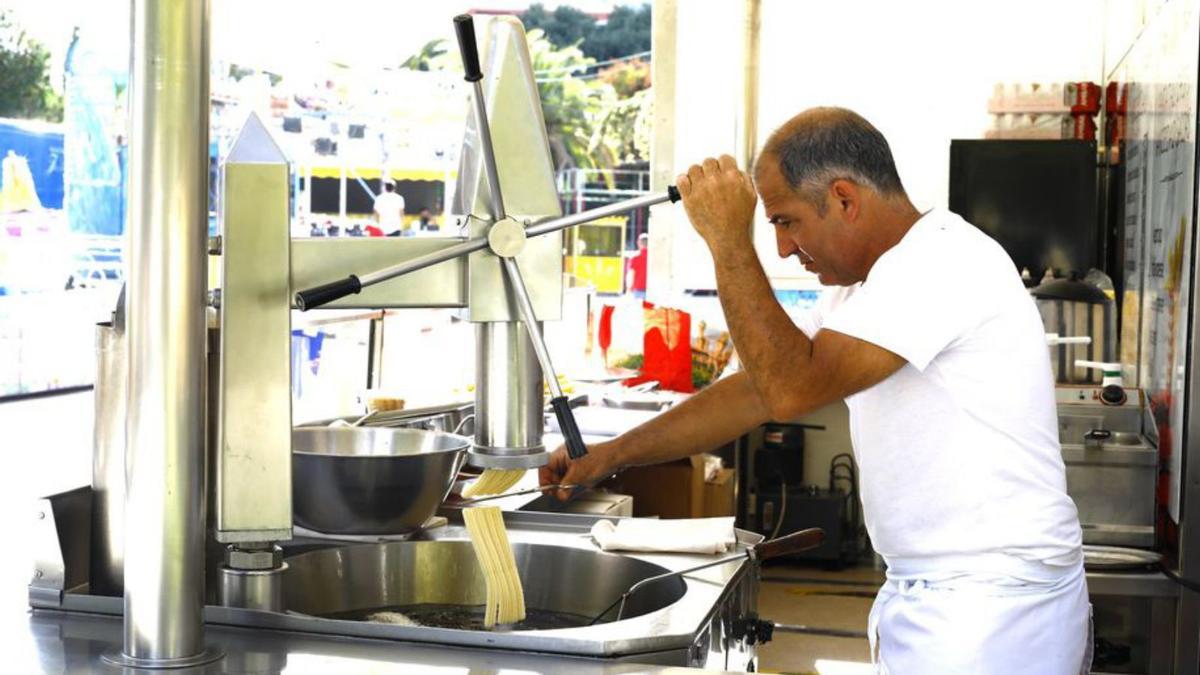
<point x="389" y="211"/>
<point x="939" y="352"/>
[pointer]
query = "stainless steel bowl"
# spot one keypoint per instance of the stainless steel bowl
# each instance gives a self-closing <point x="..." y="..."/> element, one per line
<point x="371" y="480"/>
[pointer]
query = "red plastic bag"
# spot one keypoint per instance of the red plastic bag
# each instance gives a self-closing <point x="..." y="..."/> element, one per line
<point x="604" y="336"/>
<point x="667" y="348"/>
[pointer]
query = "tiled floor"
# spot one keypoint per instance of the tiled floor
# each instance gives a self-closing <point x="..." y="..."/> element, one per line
<point x="818" y="599"/>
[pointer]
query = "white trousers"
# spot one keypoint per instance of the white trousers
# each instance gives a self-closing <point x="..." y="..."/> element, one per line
<point x="982" y="626"/>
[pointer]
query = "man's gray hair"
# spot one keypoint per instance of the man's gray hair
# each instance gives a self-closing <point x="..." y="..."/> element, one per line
<point x="822" y="145"/>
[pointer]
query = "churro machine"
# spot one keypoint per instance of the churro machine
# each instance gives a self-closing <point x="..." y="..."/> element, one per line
<point x="201" y="469"/>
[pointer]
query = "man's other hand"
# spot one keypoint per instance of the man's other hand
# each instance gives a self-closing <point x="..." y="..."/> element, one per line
<point x="591" y="468"/>
<point x="719" y="200"/>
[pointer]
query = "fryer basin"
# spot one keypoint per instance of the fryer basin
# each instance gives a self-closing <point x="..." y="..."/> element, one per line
<point x="417" y="578"/>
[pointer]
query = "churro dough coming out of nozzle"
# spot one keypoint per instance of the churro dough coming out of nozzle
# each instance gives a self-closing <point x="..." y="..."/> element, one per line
<point x="493" y="482"/>
<point x="505" y="598"/>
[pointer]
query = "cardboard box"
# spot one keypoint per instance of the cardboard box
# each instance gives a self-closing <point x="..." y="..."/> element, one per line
<point x="718" y="495"/>
<point x="671" y="490"/>
<point x="601" y="504"/>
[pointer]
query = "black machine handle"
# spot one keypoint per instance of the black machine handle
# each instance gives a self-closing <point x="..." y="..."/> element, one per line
<point x="327" y="293"/>
<point x="673" y="194"/>
<point x="570" y="430"/>
<point x="464" y="28"/>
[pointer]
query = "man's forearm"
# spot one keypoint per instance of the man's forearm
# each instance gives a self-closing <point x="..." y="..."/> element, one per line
<point x="708" y="420"/>
<point x="770" y="347"/>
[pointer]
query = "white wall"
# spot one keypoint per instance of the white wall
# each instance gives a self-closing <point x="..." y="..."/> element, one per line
<point x="922" y="71"/>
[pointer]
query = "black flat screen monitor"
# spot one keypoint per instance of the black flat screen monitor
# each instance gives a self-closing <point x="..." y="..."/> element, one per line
<point x="1038" y="199"/>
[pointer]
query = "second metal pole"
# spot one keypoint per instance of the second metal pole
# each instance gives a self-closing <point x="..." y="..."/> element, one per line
<point x="165" y="425"/>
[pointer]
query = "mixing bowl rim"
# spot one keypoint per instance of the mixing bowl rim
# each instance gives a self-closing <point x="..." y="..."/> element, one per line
<point x="461" y="443"/>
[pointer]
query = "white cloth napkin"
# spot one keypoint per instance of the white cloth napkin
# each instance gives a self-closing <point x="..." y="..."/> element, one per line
<point x="685" y="535"/>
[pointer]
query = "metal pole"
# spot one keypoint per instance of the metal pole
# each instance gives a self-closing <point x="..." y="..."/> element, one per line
<point x="525" y="305"/>
<point x="309" y="193"/>
<point x="165" y="427"/>
<point x="342" y="197"/>
<point x="421" y="262"/>
<point x="616" y="208"/>
<point x="472" y="245"/>
<point x="747" y="113"/>
<point x="489" y="158"/>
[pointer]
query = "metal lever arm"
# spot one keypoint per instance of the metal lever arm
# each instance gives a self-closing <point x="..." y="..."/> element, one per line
<point x="562" y="408"/>
<point x="315" y="297"/>
<point x="464" y="27"/>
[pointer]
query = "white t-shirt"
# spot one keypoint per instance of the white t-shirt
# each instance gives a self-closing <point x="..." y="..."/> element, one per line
<point x="959" y="460"/>
<point x="390" y="207"/>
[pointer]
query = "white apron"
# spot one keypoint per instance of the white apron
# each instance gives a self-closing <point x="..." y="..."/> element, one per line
<point x="982" y="625"/>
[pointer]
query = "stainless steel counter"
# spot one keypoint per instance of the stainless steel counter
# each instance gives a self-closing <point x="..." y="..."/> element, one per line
<point x="700" y="621"/>
<point x="61" y="642"/>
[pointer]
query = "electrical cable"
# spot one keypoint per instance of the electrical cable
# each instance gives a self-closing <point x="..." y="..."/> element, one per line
<point x="583" y="66"/>
<point x="782" y="508"/>
<point x="845" y="461"/>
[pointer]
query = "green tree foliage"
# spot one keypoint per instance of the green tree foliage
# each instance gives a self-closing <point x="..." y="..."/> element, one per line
<point x="25" y="90"/>
<point x="626" y="32"/>
<point x="427" y="58"/>
<point x="593" y="121"/>
<point x="628" y="77"/>
<point x="627" y="123"/>
<point x="564" y="27"/>
<point x="570" y="105"/>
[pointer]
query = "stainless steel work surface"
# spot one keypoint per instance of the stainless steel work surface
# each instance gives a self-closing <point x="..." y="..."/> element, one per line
<point x="697" y="622"/>
<point x="60" y="642"/>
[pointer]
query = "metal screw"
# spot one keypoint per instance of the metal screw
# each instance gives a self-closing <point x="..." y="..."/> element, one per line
<point x="41" y="515"/>
<point x="214" y="298"/>
<point x="37" y="574"/>
<point x="215" y="245"/>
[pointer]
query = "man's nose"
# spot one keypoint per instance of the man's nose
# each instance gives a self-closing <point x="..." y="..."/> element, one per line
<point x="784" y="245"/>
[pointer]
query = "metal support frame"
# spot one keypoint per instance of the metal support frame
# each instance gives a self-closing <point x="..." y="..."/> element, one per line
<point x="1187" y="631"/>
<point x="254" y="410"/>
<point x="664" y="40"/>
<point x="375" y="336"/>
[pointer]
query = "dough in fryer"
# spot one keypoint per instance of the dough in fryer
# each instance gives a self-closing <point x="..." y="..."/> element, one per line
<point x="395" y="618"/>
<point x="493" y="482"/>
<point x="505" y="603"/>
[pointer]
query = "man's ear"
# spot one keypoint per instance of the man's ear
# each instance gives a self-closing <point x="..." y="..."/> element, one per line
<point x="847" y="198"/>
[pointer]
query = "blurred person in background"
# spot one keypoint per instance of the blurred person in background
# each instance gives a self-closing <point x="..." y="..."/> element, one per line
<point x="635" y="269"/>
<point x="389" y="211"/>
<point x="425" y="221"/>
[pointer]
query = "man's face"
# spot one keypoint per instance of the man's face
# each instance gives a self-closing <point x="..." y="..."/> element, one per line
<point x="820" y="243"/>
